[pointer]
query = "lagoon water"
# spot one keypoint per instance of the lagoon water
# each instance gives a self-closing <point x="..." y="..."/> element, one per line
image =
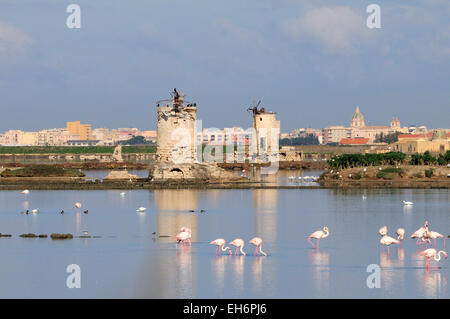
<point x="129" y="262"/>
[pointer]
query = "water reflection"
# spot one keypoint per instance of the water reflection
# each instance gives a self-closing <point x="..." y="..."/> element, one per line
<point x="265" y="213"/>
<point x="237" y="268"/>
<point x="218" y="273"/>
<point x="257" y="266"/>
<point x="392" y="268"/>
<point x="173" y="212"/>
<point x="320" y="270"/>
<point x="433" y="283"/>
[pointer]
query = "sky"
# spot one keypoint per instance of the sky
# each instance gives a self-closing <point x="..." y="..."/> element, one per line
<point x="311" y="61"/>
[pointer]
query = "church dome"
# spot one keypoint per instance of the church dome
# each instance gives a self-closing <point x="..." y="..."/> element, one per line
<point x="357" y="119"/>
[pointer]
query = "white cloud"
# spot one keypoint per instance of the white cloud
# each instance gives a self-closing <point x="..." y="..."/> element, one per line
<point x="337" y="30"/>
<point x="12" y="39"/>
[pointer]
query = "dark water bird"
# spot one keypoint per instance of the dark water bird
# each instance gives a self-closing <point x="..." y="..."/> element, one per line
<point x="61" y="212"/>
<point x="191" y="211"/>
<point x="25" y="212"/>
<point x="154" y="233"/>
<point x="86" y="211"/>
<point x="202" y="211"/>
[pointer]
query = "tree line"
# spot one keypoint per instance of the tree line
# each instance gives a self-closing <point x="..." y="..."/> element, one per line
<point x="390" y="158"/>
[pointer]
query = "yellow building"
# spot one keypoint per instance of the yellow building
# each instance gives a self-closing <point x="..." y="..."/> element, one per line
<point x="84" y="131"/>
<point x="434" y="142"/>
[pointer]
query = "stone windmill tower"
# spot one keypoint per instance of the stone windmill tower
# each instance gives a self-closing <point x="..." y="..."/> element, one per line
<point x="266" y="128"/>
<point x="176" y="130"/>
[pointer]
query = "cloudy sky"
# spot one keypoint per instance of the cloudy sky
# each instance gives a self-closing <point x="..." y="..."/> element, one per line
<point x="311" y="61"/>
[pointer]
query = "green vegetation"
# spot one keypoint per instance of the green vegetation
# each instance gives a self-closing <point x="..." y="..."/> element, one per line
<point x="56" y="149"/>
<point x="308" y="140"/>
<point x="387" y="138"/>
<point x="139" y="149"/>
<point x="429" y="172"/>
<point x="428" y="159"/>
<point x="74" y="149"/>
<point x="42" y="171"/>
<point x="355" y="160"/>
<point x="388" y="172"/>
<point x="384" y="175"/>
<point x="136" y="140"/>
<point x="356" y="176"/>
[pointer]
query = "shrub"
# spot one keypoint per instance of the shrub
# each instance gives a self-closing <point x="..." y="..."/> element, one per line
<point x="429" y="172"/>
<point x="356" y="176"/>
<point x="384" y="175"/>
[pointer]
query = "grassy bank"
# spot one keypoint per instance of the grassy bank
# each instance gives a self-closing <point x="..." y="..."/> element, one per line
<point x="75" y="149"/>
<point x="42" y="171"/>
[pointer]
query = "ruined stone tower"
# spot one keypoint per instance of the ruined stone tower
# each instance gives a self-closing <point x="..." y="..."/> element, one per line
<point x="176" y="130"/>
<point x="267" y="131"/>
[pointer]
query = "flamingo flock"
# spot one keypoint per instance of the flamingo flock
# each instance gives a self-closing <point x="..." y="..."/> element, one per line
<point x="238" y="243"/>
<point x="423" y="235"/>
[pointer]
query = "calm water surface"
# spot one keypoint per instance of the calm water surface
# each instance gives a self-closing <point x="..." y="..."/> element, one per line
<point x="126" y="262"/>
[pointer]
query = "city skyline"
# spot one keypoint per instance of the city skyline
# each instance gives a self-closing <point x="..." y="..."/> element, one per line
<point x="125" y="57"/>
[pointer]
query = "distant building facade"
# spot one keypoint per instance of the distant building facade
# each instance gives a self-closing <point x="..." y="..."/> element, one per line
<point x="359" y="129"/>
<point x="84" y="131"/>
<point x="437" y="141"/>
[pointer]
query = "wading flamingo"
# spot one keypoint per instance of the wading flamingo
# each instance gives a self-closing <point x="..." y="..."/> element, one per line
<point x="258" y="243"/>
<point x="420" y="233"/>
<point x="35" y="211"/>
<point x="318" y="235"/>
<point x="383" y="231"/>
<point x="220" y="243"/>
<point x="433" y="235"/>
<point x="141" y="209"/>
<point x="400" y="234"/>
<point x="387" y="241"/>
<point x="239" y="244"/>
<point x="407" y="203"/>
<point x="78" y="205"/>
<point x="183" y="237"/>
<point x="432" y="253"/>
<point x="25" y="192"/>
<point x="185" y="229"/>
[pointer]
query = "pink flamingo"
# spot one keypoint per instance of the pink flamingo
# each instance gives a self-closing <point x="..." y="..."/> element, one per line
<point x="220" y="243"/>
<point x="239" y="244"/>
<point x="318" y="235"/>
<point x="400" y="234"/>
<point x="419" y="234"/>
<point x="258" y="243"/>
<point x="433" y="235"/>
<point x="185" y="229"/>
<point x="387" y="241"/>
<point x="432" y="253"/>
<point x="183" y="237"/>
<point x="383" y="231"/>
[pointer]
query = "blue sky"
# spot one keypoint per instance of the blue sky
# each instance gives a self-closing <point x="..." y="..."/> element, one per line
<point x="311" y="61"/>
